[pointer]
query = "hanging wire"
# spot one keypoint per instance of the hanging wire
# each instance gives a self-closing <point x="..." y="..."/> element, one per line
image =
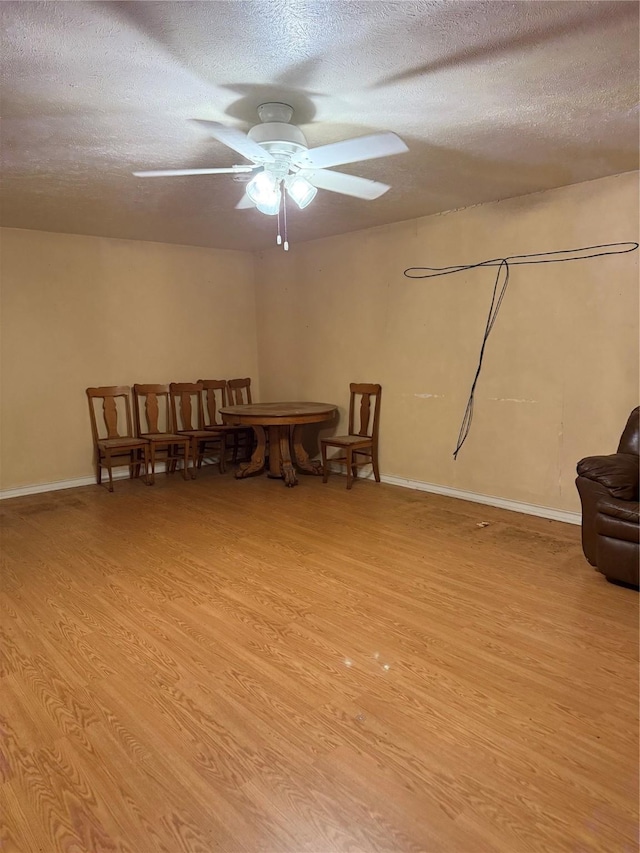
<point x="499" y="291"/>
<point x="514" y="260"/>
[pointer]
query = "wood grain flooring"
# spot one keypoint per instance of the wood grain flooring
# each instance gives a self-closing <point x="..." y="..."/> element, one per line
<point x="225" y="665"/>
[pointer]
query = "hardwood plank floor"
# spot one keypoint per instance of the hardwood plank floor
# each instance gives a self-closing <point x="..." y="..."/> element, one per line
<point x="225" y="665"/>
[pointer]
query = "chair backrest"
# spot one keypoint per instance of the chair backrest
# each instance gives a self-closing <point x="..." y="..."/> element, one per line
<point x="629" y="441"/>
<point x="239" y="393"/>
<point x="109" y="395"/>
<point x="151" y="409"/>
<point x="186" y="405"/>
<point x="214" y="394"/>
<point x="361" y="396"/>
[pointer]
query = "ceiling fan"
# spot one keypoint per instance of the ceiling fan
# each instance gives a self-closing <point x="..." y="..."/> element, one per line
<point x="284" y="166"/>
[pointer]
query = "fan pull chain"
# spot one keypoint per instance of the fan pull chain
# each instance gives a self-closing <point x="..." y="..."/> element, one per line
<point x="279" y="236"/>
<point x="282" y="222"/>
<point x="285" y="245"/>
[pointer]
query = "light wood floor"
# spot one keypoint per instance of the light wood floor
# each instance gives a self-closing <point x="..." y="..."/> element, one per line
<point x="235" y="666"/>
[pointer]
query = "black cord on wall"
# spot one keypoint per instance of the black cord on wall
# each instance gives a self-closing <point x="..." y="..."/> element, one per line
<point x="499" y="290"/>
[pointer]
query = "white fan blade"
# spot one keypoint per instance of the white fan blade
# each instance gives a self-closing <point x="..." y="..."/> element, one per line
<point x="237" y="140"/>
<point x="338" y="182"/>
<point x="244" y="203"/>
<point x="168" y="173"/>
<point x="351" y="151"/>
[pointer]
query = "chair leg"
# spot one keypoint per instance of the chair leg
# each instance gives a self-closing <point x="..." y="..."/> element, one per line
<point x="98" y="468"/>
<point x="145" y="461"/>
<point x="134" y="455"/>
<point x="349" y="467"/>
<point x="194" y="457"/>
<point x="185" y="463"/>
<point x="107" y="459"/>
<point x="374" y="462"/>
<point x="152" y="451"/>
<point x="325" y="466"/>
<point x="223" y="452"/>
<point x="249" y="444"/>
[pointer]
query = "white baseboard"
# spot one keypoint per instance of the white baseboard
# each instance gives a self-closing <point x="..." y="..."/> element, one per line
<point x="476" y="497"/>
<point x="418" y="485"/>
<point x="38" y="488"/>
<point x="490" y="500"/>
<point x="118" y="474"/>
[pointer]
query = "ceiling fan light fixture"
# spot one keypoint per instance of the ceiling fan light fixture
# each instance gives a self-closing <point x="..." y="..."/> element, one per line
<point x="300" y="190"/>
<point x="272" y="206"/>
<point x="264" y="190"/>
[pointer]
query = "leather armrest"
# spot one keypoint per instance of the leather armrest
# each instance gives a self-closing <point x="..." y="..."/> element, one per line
<point x="615" y="508"/>
<point x="617" y="472"/>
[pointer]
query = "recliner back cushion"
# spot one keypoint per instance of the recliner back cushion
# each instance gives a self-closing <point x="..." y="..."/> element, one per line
<point x="630" y="438"/>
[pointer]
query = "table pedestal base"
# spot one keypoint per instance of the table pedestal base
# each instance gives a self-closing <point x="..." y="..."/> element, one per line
<point x="282" y="440"/>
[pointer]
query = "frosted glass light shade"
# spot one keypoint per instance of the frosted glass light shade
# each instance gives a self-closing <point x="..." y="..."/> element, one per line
<point x="300" y="190"/>
<point x="264" y="190"/>
<point x="272" y="207"/>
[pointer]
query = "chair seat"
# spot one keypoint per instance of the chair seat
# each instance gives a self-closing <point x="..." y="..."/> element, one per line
<point x="163" y="437"/>
<point x="110" y="443"/>
<point x="197" y="433"/>
<point x="348" y="440"/>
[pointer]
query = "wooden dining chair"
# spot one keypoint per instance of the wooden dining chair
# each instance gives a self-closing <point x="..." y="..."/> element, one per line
<point x="239" y="394"/>
<point x="152" y="414"/>
<point x="187" y="418"/>
<point x="239" y="391"/>
<point x="364" y="441"/>
<point x="215" y="396"/>
<point x="109" y="446"/>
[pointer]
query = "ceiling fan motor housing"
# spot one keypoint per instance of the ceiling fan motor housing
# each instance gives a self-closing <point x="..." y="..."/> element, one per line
<point x="281" y="140"/>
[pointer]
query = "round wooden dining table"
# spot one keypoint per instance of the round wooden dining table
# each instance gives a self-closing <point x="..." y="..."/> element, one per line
<point x="283" y="422"/>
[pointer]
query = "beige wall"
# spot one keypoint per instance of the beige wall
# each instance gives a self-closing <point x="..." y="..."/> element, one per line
<point x="560" y="372"/>
<point x="561" y="367"/>
<point x="80" y="311"/>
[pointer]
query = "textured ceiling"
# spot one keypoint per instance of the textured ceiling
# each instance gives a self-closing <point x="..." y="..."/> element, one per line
<point x="494" y="100"/>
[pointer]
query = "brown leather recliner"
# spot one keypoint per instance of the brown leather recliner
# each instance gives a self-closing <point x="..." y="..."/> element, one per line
<point x="608" y="488"/>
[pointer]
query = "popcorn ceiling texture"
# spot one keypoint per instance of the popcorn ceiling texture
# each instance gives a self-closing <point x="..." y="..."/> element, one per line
<point x="494" y="99"/>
